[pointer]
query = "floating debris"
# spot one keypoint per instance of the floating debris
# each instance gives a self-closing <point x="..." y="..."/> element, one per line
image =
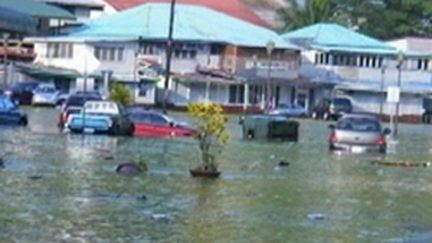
<point x="110" y="157"/>
<point x="132" y="169"/>
<point x="2" y="164"/>
<point x="401" y="163"/>
<point x="142" y="198"/>
<point x="35" y="177"/>
<point x="284" y="163"/>
<point x="316" y="216"/>
<point x="162" y="217"/>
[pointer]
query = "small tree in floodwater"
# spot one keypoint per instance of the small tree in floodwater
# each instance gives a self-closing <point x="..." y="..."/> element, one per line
<point x="212" y="135"/>
<point x="121" y="94"/>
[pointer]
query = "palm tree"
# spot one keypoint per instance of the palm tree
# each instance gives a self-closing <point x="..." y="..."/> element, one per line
<point x="313" y="11"/>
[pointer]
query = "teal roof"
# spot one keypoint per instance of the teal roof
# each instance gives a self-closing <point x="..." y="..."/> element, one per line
<point x="334" y="37"/>
<point x="192" y="23"/>
<point x="36" y="9"/>
<point x="14" y="21"/>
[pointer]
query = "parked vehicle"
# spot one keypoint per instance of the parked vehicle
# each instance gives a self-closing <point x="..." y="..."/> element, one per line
<point x="289" y="110"/>
<point x="10" y="114"/>
<point x="270" y="127"/>
<point x="358" y="133"/>
<point x="332" y="108"/>
<point x="21" y="92"/>
<point x="74" y="104"/>
<point x="149" y="123"/>
<point x="45" y="94"/>
<point x="101" y="117"/>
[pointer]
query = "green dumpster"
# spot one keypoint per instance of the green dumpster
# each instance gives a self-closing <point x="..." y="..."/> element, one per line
<point x="270" y="127"/>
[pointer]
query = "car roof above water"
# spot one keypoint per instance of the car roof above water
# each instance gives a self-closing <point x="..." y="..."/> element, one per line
<point x="104" y="107"/>
<point x="360" y="115"/>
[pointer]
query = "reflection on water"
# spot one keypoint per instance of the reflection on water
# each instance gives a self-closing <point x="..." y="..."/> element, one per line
<point x="79" y="197"/>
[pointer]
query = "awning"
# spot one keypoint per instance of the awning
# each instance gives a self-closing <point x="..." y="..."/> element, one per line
<point x="370" y="86"/>
<point x="46" y="72"/>
<point x="201" y="78"/>
<point x="14" y="21"/>
<point x="36" y="9"/>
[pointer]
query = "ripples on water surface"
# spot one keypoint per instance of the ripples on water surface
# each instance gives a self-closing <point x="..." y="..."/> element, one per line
<point x="79" y="198"/>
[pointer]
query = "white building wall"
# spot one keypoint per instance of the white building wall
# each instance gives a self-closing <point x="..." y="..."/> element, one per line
<point x="82" y="59"/>
<point x="124" y="70"/>
<point x="410" y="104"/>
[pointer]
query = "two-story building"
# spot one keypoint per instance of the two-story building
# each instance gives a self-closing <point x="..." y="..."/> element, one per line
<point x="82" y="10"/>
<point x="363" y="68"/>
<point x="216" y="57"/>
<point x="17" y="20"/>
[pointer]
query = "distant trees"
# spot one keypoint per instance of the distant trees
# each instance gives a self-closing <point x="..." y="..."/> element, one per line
<point x="384" y="19"/>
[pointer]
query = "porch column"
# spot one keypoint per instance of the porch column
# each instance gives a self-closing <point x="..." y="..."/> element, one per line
<point x="207" y="92"/>
<point x="106" y="75"/>
<point x="263" y="92"/>
<point x="246" y="97"/>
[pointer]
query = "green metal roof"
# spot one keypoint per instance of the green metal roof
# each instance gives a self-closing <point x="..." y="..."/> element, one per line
<point x="14" y="21"/>
<point x="36" y="9"/>
<point x="329" y="36"/>
<point x="192" y="23"/>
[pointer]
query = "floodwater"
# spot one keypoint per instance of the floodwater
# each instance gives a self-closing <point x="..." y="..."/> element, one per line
<point x="63" y="188"/>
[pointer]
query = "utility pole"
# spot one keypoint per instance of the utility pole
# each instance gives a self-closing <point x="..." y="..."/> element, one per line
<point x="5" y="58"/>
<point x="383" y="68"/>
<point x="270" y="47"/>
<point x="169" y="49"/>
<point x="401" y="58"/>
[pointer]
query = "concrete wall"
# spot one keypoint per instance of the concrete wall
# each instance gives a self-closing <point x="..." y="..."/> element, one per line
<point x="415" y="44"/>
<point x="410" y="104"/>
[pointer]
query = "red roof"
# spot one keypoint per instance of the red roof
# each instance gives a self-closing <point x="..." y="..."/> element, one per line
<point x="231" y="7"/>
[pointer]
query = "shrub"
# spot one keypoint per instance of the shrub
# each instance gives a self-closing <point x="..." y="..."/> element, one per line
<point x="212" y="135"/>
<point x="121" y="94"/>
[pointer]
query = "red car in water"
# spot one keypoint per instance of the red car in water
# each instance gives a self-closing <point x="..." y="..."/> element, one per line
<point x="154" y="124"/>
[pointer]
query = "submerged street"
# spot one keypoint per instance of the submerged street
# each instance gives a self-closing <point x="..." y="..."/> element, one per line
<point x="60" y="187"/>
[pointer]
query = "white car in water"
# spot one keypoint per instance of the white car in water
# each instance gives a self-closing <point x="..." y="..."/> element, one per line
<point x="45" y="94"/>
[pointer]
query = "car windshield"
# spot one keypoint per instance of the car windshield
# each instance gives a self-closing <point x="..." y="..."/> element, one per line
<point x="80" y="100"/>
<point x="6" y="104"/>
<point x="359" y="124"/>
<point x="284" y="106"/>
<point x="342" y="102"/>
<point x="23" y="86"/>
<point x="149" y="118"/>
<point x="49" y="90"/>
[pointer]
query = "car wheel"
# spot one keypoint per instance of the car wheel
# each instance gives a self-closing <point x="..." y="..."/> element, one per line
<point x="250" y="135"/>
<point x="23" y="121"/>
<point x="75" y="131"/>
<point x="314" y="115"/>
<point x="114" y="130"/>
<point x="131" y="130"/>
<point x="326" y="116"/>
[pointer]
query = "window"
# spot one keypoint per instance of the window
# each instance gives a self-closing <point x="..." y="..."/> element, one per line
<point x="361" y="61"/>
<point x="327" y="58"/>
<point x="255" y="94"/>
<point x="60" y="50"/>
<point x="158" y="120"/>
<point x="236" y="94"/>
<point x="111" y="54"/>
<point x="422" y="64"/>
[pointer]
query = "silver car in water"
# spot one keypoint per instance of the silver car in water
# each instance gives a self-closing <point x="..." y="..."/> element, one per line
<point x="358" y="133"/>
<point x="45" y="94"/>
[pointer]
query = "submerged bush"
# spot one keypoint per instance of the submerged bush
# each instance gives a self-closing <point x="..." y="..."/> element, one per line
<point x="121" y="94"/>
<point x="212" y="135"/>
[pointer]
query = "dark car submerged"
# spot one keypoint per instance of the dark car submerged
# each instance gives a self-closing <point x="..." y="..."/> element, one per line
<point x="10" y="114"/>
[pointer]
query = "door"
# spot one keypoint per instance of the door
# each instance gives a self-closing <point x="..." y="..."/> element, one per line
<point x="302" y="98"/>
